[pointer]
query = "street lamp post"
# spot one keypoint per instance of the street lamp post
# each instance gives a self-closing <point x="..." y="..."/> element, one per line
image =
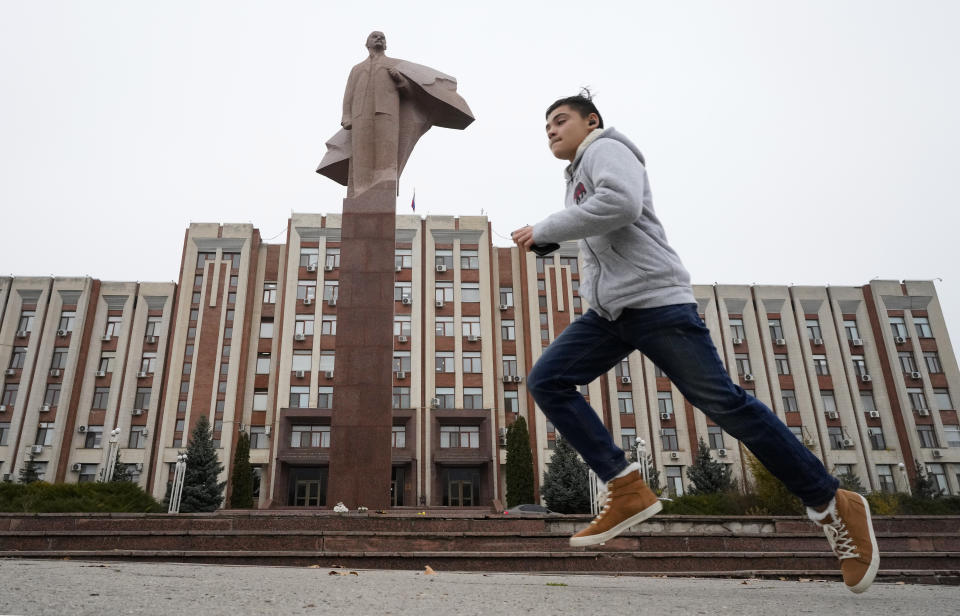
<point x="904" y="477"/>
<point x="176" y="490"/>
<point x="111" y="462"/>
<point x="641" y="449"/>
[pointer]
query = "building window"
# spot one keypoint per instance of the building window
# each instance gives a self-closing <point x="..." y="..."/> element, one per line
<point x="137" y="439"/>
<point x="898" y="327"/>
<point x="470" y="292"/>
<point x="473" y="397"/>
<point x="789" y="398"/>
<point x="88" y="473"/>
<point x="668" y="439"/>
<point x="453" y="437"/>
<point x="260" y="399"/>
<point x="4" y="433"/>
<point x="263" y="363"/>
<point x="932" y="359"/>
<point x="469" y="259"/>
<point x="918" y="401"/>
<point x="570" y="262"/>
<point x="736" y="329"/>
<point x="402" y="291"/>
<point x="444" y="326"/>
<point x="269" y="293"/>
<point x="797" y="432"/>
<point x="743" y="364"/>
<point x="309" y="256"/>
<point x="445" y="397"/>
<point x="622" y="368"/>
<point x="443" y="257"/>
<point x="142" y="398"/>
<point x="885" y="478"/>
<point x="935" y="472"/>
<point x="67" y="319"/>
<point x="153" y="326"/>
<point x="674" y="476"/>
<point x="303" y="325"/>
<point x="836" y="437"/>
<point x="851" y="328"/>
<point x="403" y="258"/>
<point x="445" y="362"/>
<point x="867" y="400"/>
<point x="266" y="329"/>
<point x="401" y="361"/>
<point x="401" y="397"/>
<point x="628" y="438"/>
<point x="25" y="324"/>
<point x="470" y="326"/>
<point x="472" y="363"/>
<point x="148" y="362"/>
<point x="829" y="401"/>
<point x="907" y="363"/>
<point x="859" y="365"/>
<point x="299" y="397"/>
<point x="665" y="402"/>
<point x="93" y="437"/>
<point x="307" y="289"/>
<point x="113" y="326"/>
<point x="508" y="330"/>
<point x="44" y="433"/>
<point x="783" y="364"/>
<point x="52" y="396"/>
<point x="310" y="436"/>
<point x="443" y="292"/>
<point x="922" y="325"/>
<point x="59" y="360"/>
<point x="928" y="439"/>
<point x="820" y="365"/>
<point x="813" y="329"/>
<point x="953" y="435"/>
<point x="511" y="401"/>
<point x="542" y="263"/>
<point x="18" y="358"/>
<point x="258" y="437"/>
<point x="942" y="396"/>
<point x="10" y="395"/>
<point x="328" y="325"/>
<point x="325" y="397"/>
<point x="658" y="372"/>
<point x="776" y="329"/>
<point x="509" y="365"/>
<point x="506" y="296"/>
<point x="877" y="441"/>
<point x="398" y="437"/>
<point x="331" y="290"/>
<point x="625" y="402"/>
<point x="302" y="360"/>
<point x="715" y="434"/>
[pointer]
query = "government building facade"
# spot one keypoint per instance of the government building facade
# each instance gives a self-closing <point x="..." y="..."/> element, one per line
<point x="247" y="337"/>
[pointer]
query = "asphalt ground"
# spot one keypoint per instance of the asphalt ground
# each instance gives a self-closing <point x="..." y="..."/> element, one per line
<point x="59" y="587"/>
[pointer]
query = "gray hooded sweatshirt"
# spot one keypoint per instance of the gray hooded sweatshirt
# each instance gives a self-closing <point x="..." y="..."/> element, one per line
<point x="627" y="262"/>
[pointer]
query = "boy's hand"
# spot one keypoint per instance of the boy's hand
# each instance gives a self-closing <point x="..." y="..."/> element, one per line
<point x="523" y="237"/>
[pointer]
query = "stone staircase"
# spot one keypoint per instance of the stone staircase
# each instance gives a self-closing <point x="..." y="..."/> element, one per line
<point x="913" y="548"/>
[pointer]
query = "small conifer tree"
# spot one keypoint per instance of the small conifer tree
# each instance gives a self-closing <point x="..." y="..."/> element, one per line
<point x="201" y="490"/>
<point x="850" y="481"/>
<point x="708" y="475"/>
<point x="28" y="472"/>
<point x="121" y="472"/>
<point x="924" y="486"/>
<point x="653" y="475"/>
<point x="519" y="466"/>
<point x="241" y="495"/>
<point x="565" y="485"/>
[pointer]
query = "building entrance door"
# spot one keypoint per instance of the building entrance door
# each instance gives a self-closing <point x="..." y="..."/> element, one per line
<point x="307" y="486"/>
<point x="461" y="493"/>
<point x="397" y="486"/>
<point x="307" y="493"/>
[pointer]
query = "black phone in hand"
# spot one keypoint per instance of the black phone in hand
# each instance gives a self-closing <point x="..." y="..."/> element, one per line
<point x="544" y="249"/>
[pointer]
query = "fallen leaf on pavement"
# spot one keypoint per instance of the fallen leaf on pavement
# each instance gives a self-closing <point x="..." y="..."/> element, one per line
<point x="429" y="571"/>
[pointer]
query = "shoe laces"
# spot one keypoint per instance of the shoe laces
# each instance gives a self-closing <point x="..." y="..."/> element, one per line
<point x="840" y="540"/>
<point x="606" y="495"/>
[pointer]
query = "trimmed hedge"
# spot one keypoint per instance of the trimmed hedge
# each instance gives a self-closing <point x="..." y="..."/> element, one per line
<point x="42" y="497"/>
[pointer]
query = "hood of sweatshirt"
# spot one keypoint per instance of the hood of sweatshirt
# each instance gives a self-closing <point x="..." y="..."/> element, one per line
<point x="606" y="133"/>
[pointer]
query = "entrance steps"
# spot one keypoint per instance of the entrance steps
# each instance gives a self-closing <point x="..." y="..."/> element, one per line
<point x="913" y="548"/>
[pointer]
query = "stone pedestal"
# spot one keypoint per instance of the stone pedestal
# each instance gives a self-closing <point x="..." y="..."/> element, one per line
<point x="362" y="418"/>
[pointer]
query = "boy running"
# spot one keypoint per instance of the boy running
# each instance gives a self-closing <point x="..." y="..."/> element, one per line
<point x="641" y="300"/>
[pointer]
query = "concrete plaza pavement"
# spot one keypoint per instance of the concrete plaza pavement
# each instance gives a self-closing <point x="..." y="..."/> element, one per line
<point x="40" y="587"/>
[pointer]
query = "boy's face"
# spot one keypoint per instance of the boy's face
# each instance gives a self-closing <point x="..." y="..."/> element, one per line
<point x="566" y="129"/>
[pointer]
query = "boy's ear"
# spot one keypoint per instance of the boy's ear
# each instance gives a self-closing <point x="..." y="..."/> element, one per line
<point x="592" y="121"/>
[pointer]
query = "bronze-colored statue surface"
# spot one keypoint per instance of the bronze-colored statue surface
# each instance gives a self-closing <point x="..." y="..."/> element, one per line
<point x="387" y="106"/>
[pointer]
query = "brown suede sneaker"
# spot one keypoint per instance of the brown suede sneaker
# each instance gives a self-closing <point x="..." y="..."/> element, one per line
<point x="629" y="501"/>
<point x="849" y="529"/>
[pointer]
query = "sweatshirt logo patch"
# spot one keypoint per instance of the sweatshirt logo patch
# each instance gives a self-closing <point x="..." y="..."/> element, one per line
<point x="579" y="193"/>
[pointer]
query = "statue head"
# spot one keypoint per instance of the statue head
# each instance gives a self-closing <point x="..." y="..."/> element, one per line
<point x="377" y="41"/>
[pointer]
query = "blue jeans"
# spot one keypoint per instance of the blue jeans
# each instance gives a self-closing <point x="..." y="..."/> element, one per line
<point x="676" y="340"/>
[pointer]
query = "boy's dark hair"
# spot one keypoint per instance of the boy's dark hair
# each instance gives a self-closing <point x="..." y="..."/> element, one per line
<point x="581" y="103"/>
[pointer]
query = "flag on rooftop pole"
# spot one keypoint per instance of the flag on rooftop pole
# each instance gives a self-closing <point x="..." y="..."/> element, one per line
<point x="413" y="202"/>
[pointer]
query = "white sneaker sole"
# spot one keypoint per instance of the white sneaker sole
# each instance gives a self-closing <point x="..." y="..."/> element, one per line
<point x="871" y="573"/>
<point x="579" y="542"/>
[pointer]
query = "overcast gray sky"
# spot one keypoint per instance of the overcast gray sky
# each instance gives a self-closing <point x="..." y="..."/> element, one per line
<point x="804" y="142"/>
